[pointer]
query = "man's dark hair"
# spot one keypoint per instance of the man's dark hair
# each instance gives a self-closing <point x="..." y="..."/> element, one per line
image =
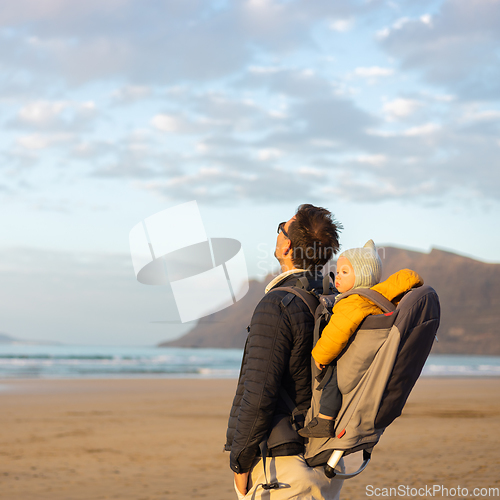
<point x="315" y="237"/>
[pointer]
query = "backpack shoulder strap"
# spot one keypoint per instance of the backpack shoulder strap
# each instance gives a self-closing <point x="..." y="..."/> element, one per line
<point x="376" y="297"/>
<point x="309" y="298"/>
<point x="288" y="400"/>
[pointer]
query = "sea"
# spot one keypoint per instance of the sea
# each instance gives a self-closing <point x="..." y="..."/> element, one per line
<point x="25" y="361"/>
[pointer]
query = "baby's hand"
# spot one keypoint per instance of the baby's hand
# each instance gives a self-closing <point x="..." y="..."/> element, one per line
<point x="319" y="366"/>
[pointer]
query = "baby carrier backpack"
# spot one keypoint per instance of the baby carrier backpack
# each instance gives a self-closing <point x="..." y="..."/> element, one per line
<point x="376" y="371"/>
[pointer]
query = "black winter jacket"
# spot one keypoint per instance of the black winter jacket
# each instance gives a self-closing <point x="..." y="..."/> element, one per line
<point x="277" y="354"/>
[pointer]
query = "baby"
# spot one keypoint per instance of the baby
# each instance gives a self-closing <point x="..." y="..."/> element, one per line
<point x="356" y="268"/>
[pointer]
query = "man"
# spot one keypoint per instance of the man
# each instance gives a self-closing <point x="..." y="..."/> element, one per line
<point x="276" y="368"/>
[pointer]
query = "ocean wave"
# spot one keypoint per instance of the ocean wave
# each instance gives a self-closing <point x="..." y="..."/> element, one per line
<point x="434" y="370"/>
<point x="115" y="362"/>
<point x="219" y="372"/>
<point x="55" y="356"/>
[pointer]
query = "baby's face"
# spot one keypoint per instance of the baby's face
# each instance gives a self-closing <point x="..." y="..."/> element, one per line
<point x="344" y="280"/>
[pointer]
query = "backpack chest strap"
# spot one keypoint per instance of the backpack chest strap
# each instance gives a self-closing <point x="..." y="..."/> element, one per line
<point x="377" y="298"/>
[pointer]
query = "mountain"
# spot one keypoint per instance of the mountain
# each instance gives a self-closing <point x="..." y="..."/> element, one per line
<point x="469" y="292"/>
<point x="226" y="328"/>
<point x="8" y="339"/>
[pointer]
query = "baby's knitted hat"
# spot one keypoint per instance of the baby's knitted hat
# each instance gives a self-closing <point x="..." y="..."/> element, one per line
<point x="366" y="264"/>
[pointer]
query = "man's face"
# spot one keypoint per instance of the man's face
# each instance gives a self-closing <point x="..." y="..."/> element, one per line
<point x="345" y="278"/>
<point x="283" y="243"/>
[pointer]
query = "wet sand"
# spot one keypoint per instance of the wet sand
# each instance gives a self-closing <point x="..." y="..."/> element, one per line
<point x="162" y="439"/>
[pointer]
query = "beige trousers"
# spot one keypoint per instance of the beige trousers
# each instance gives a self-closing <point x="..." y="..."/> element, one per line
<point x="297" y="481"/>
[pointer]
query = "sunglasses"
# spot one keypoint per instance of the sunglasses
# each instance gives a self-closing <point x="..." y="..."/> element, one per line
<point x="281" y="228"/>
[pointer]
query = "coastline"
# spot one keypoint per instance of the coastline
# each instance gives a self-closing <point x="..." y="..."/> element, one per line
<point x="155" y="438"/>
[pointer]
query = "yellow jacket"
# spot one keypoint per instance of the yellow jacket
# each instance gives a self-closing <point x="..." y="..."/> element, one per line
<point x="348" y="314"/>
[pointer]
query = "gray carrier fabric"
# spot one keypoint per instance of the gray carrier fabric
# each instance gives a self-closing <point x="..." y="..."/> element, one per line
<point x="376" y="372"/>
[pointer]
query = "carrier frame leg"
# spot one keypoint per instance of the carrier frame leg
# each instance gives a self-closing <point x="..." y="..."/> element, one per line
<point x="334" y="460"/>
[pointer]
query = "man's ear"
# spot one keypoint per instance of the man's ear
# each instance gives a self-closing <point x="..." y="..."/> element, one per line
<point x="287" y="248"/>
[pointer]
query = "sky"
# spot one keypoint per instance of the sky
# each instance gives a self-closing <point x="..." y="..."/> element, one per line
<point x="385" y="112"/>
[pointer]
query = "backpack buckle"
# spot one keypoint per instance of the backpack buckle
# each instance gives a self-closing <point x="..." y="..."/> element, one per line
<point x="271" y="486"/>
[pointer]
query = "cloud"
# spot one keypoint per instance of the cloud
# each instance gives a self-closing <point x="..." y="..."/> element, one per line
<point x="232" y="97"/>
<point x="162" y="42"/>
<point x="290" y="82"/>
<point x="318" y="122"/>
<point x="373" y="71"/>
<point x="478" y="115"/>
<point x="482" y="180"/>
<point x="169" y="123"/>
<point x="126" y="166"/>
<point x="91" y="150"/>
<point x="375" y="160"/>
<point x="426" y="129"/>
<point x="205" y="113"/>
<point x="416" y="131"/>
<point x="350" y="188"/>
<point x="42" y="141"/>
<point x="426" y="163"/>
<point x="131" y="93"/>
<point x="397" y="25"/>
<point x="319" y="141"/>
<point x="223" y="185"/>
<point x="342" y="25"/>
<point x="269" y="154"/>
<point x="49" y="205"/>
<point x="41" y="112"/>
<point x="400" y="108"/>
<point x="91" y="42"/>
<point x="238" y="113"/>
<point x="138" y="160"/>
<point x="456" y="48"/>
<point x="57" y="115"/>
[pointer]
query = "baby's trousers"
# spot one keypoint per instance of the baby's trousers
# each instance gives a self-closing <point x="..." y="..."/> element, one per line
<point x="331" y="398"/>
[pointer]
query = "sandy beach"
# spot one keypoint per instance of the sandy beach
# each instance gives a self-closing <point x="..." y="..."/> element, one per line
<point x="163" y="438"/>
